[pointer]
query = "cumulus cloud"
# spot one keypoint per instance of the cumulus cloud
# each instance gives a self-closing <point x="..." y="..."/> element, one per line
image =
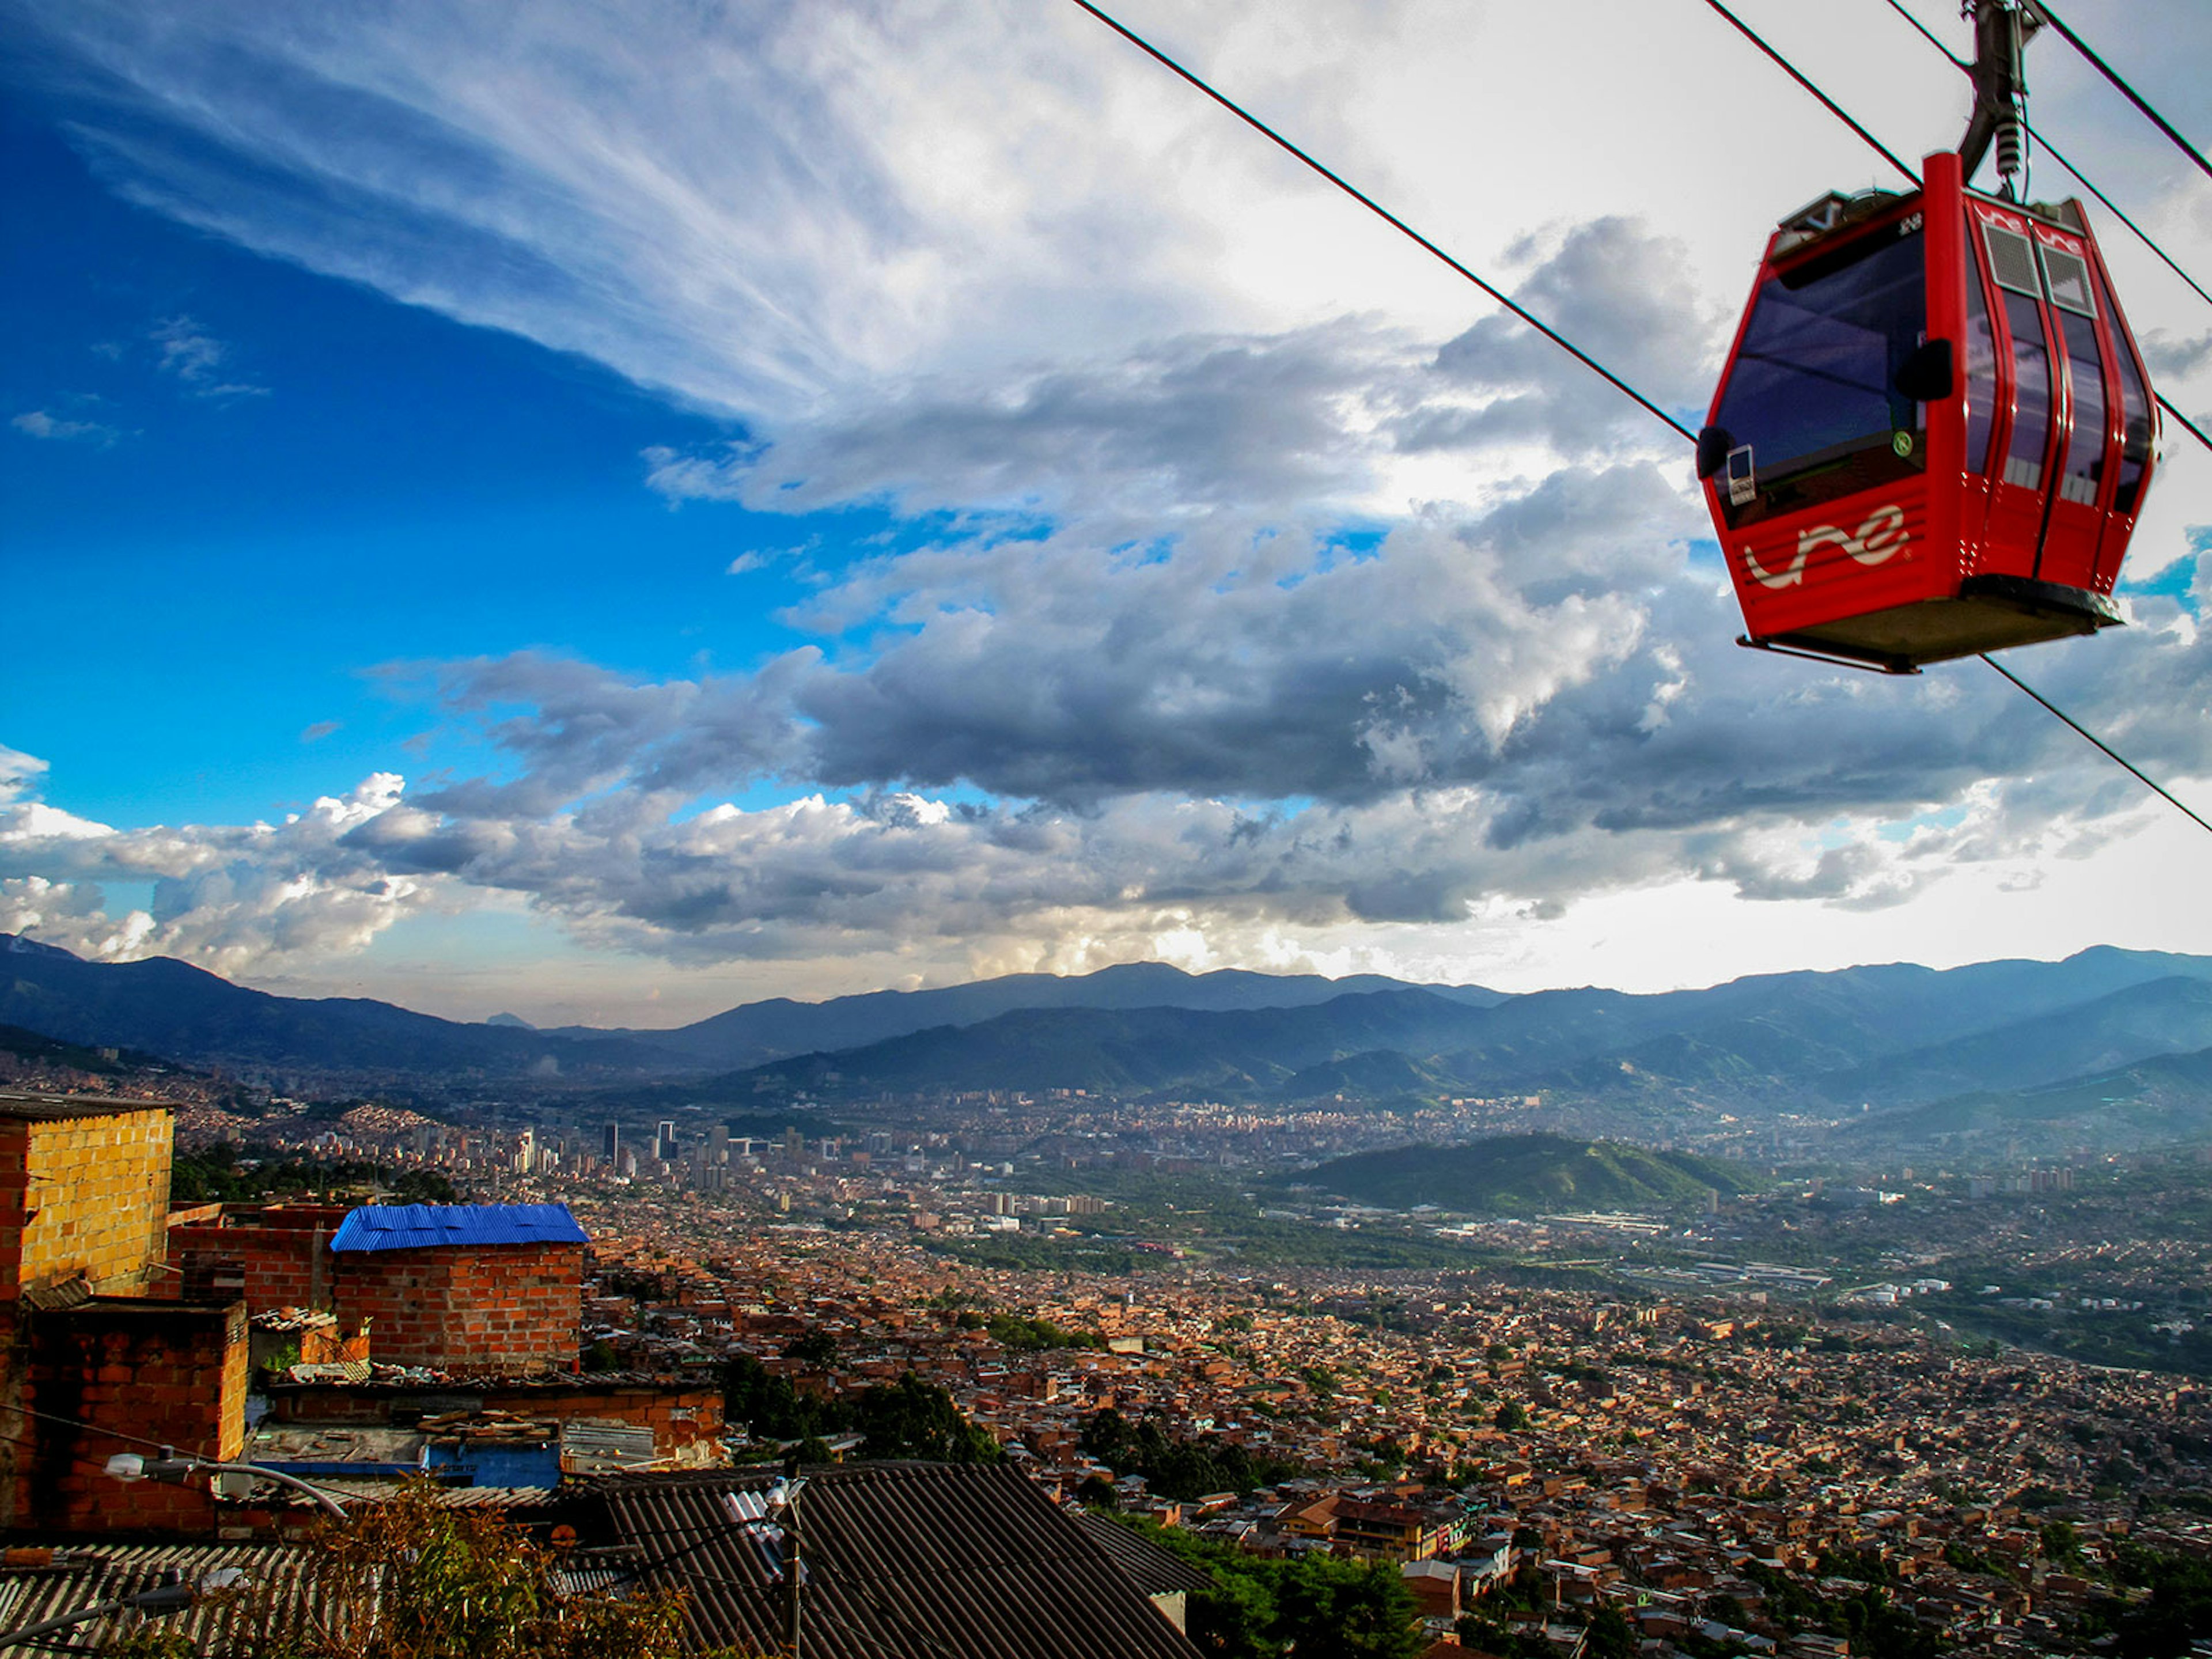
<point x="235" y="898"/>
<point x="1261" y="598"/>
<point x="18" y="775"/>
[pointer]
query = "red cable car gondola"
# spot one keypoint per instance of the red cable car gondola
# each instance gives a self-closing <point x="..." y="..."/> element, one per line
<point x="1934" y="433"/>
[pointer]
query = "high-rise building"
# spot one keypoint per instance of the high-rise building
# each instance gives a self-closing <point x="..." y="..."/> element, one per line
<point x="664" y="1141"/>
<point x="610" y="1144"/>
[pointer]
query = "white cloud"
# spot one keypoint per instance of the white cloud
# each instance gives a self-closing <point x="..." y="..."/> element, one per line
<point x="18" y="775"/>
<point x="1141" y="696"/>
<point x="37" y="423"/>
<point x="199" y="360"/>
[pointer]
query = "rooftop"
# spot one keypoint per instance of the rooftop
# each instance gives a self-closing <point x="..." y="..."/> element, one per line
<point x="430" y="1226"/>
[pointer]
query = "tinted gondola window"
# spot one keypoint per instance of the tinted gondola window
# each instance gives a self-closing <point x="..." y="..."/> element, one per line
<point x="1981" y="375"/>
<point x="2135" y="415"/>
<point x="1813" y="390"/>
<point x="2085" y="447"/>
<point x="2031" y="380"/>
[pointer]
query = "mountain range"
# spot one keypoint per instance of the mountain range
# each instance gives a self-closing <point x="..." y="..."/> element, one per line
<point x="1890" y="1039"/>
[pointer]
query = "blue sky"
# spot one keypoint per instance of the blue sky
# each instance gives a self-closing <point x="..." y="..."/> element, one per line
<point x="506" y="514"/>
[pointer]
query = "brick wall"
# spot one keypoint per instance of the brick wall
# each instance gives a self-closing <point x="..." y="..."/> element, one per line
<point x="171" y="1372"/>
<point x="283" y="1251"/>
<point x="84" y="1188"/>
<point x="504" y="1309"/>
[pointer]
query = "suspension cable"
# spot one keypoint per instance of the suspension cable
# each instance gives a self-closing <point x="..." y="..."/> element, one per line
<point x="2105" y="70"/>
<point x="1386" y="216"/>
<point x="1560" y="340"/>
<point x="2055" y="154"/>
<point x="1826" y="102"/>
<point x="2144" y="778"/>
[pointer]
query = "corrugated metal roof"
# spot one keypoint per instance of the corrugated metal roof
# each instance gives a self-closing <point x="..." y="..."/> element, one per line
<point x="427" y="1226"/>
<point x="272" y="1606"/>
<point x="955" y="1561"/>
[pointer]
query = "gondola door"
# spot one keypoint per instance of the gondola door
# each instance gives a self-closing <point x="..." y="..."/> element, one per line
<point x="2027" y="434"/>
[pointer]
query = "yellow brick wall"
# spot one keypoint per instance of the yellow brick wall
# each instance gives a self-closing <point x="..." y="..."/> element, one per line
<point x="97" y="1199"/>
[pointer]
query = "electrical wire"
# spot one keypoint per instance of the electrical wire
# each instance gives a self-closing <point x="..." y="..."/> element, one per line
<point x="1386" y="216"/>
<point x="1560" y="340"/>
<point x="2105" y="70"/>
<point x="93" y="1428"/>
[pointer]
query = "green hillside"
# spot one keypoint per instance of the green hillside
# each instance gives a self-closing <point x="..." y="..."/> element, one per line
<point x="1524" y="1175"/>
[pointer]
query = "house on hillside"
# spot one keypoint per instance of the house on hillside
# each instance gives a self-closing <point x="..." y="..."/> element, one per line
<point x="484" y="1287"/>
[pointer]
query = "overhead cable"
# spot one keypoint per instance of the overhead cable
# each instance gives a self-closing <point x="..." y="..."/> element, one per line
<point x="2055" y="154"/>
<point x="1387" y="217"/>
<point x="2143" y="776"/>
<point x="1552" y="334"/>
<point x="2043" y="8"/>
<point x="1826" y="102"/>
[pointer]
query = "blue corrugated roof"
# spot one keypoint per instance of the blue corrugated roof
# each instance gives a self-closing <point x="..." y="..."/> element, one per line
<point x="425" y="1226"/>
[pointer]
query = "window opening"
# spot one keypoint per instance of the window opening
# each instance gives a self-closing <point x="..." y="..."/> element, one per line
<point x="2084" y="466"/>
<point x="1813" y="391"/>
<point x="2031" y="383"/>
<point x="1981" y="372"/>
<point x="2135" y="416"/>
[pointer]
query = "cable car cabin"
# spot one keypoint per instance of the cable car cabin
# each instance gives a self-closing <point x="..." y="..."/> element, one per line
<point x="1935" y="431"/>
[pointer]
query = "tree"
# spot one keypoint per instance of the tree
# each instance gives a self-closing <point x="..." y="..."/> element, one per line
<point x="1316" y="1607"/>
<point x="1512" y="1416"/>
<point x="1334" y="1609"/>
<point x="914" y="1419"/>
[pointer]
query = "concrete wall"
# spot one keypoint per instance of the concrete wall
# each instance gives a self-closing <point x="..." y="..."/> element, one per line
<point x="83" y="1190"/>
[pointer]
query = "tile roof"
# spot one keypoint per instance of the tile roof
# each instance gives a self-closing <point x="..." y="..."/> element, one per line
<point x="957" y="1561"/>
<point x="427" y="1226"/>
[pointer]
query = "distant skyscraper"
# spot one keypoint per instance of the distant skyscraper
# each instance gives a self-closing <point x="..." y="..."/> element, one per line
<point x="664" y="1141"/>
<point x="611" y="1143"/>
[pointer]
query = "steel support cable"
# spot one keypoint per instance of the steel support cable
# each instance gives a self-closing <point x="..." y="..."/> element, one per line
<point x="2043" y="8"/>
<point x="1826" y="102"/>
<point x="2058" y="155"/>
<point x="1554" y="335"/>
<point x="1386" y="216"/>
<point x="2145" y="779"/>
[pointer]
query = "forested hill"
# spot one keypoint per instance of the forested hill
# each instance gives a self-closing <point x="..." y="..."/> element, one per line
<point x="1526" y="1175"/>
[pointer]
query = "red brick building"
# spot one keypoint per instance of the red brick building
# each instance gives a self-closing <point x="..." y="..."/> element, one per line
<point x="464" y="1287"/>
<point x="278" y="1255"/>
